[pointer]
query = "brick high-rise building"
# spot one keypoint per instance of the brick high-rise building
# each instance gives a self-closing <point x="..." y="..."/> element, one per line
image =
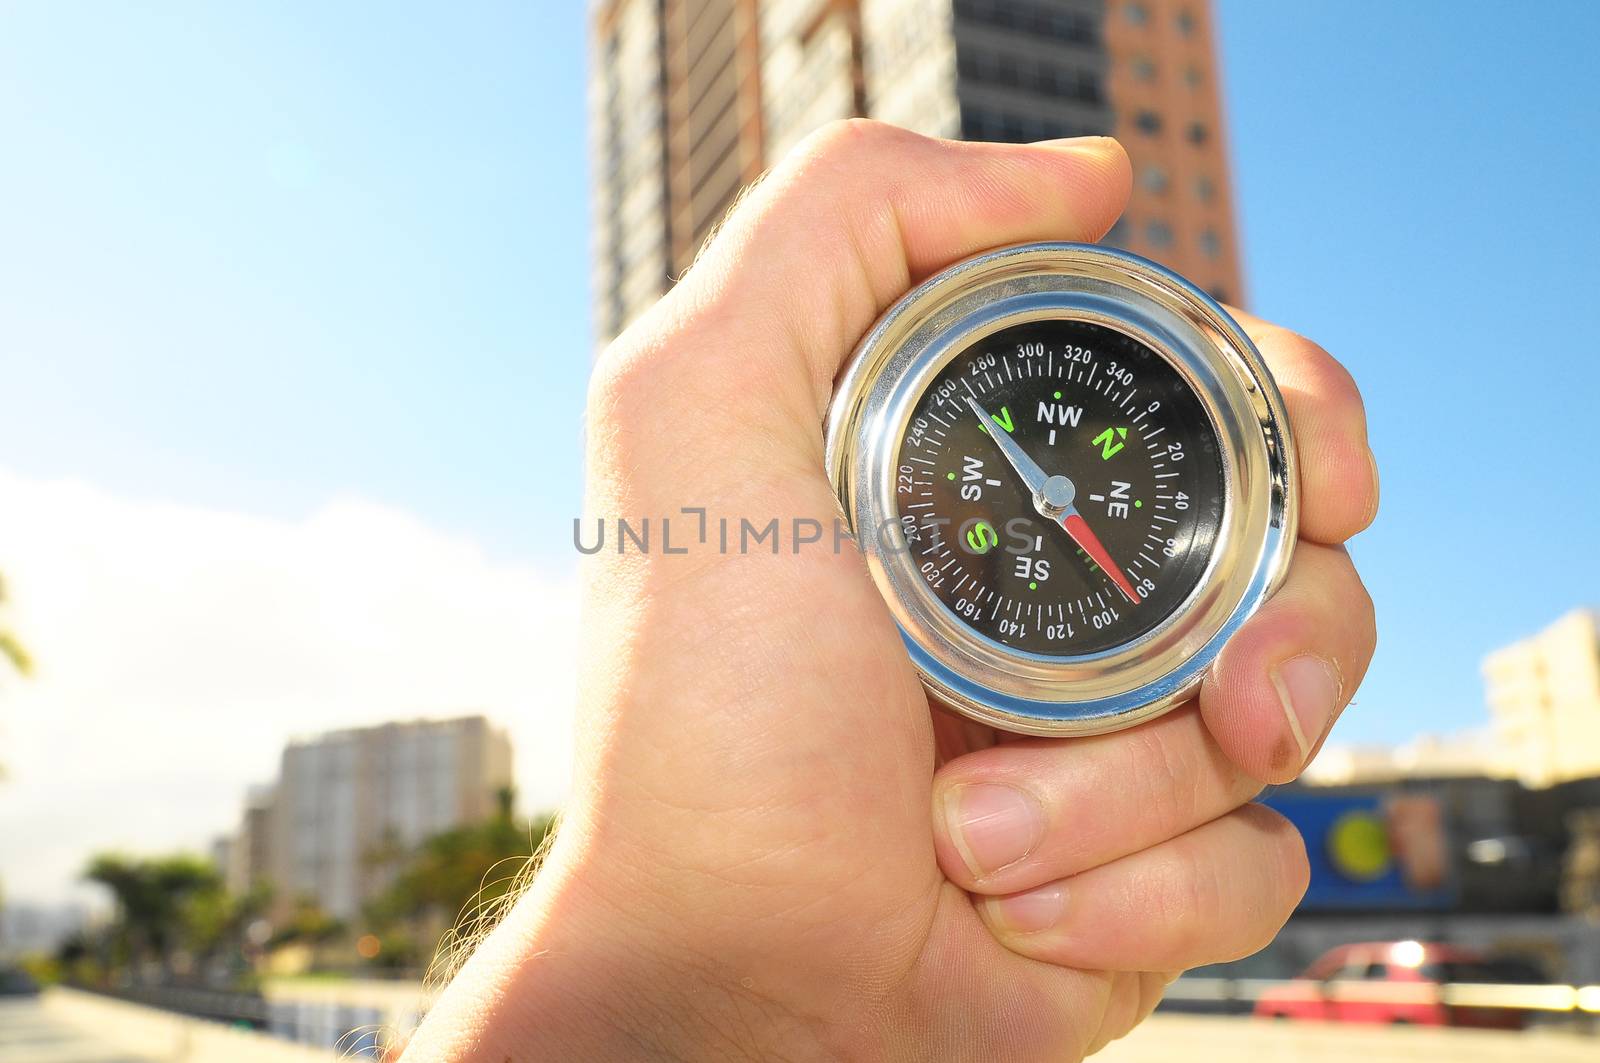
<point x="691" y="100"/>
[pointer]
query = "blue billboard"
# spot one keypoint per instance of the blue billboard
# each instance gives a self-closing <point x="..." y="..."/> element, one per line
<point x="1371" y="851"/>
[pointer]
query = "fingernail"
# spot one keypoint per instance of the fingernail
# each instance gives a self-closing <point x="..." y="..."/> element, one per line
<point x="992" y="825"/>
<point x="1097" y="144"/>
<point x="1031" y="912"/>
<point x="1372" y="459"/>
<point x="1309" y="688"/>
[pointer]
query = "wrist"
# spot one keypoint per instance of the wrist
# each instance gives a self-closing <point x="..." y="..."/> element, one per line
<point x="575" y="971"/>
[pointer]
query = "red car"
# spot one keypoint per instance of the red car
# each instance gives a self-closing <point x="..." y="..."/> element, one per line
<point x="1396" y="982"/>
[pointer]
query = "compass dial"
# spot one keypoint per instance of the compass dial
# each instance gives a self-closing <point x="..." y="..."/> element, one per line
<point x="1060" y="488"/>
<point x="1069" y="472"/>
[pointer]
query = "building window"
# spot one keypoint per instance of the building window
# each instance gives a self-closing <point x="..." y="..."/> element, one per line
<point x="1143" y="69"/>
<point x="1197" y="133"/>
<point x="1191" y="76"/>
<point x="1015" y="71"/>
<point x="1204" y="190"/>
<point x="1136" y="14"/>
<point x="1154" y="180"/>
<point x="1210" y="245"/>
<point x="1185" y="23"/>
<point x="1219" y="293"/>
<point x="1040" y="19"/>
<point x="1148" y="122"/>
<point x="1158" y="234"/>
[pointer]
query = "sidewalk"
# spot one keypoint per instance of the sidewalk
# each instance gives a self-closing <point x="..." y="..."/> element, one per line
<point x="1164" y="1038"/>
<point x="69" y="1026"/>
<point x="75" y="1028"/>
<point x="28" y="1034"/>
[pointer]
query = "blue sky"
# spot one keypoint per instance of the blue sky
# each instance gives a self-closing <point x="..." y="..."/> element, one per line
<point x="257" y="257"/>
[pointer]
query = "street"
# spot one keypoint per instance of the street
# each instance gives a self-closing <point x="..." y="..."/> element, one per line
<point x="34" y="1031"/>
<point x="30" y="1034"/>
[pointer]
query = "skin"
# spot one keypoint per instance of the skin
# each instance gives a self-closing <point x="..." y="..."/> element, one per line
<point x="757" y="860"/>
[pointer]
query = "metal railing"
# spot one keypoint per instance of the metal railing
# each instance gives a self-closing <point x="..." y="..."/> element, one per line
<point x="353" y="1029"/>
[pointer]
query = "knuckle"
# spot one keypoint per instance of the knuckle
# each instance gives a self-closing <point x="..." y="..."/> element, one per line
<point x="1366" y="607"/>
<point x="1183" y="897"/>
<point x="1275" y="857"/>
<point x="1286" y="856"/>
<point x="1355" y="600"/>
<point x="846" y="139"/>
<point x="1200" y="893"/>
<point x="621" y="372"/>
<point x="1162" y="769"/>
<point x="1333" y="381"/>
<point x="1311" y="363"/>
<point x="636" y="373"/>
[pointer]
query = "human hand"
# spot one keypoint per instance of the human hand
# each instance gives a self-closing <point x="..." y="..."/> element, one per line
<point x="774" y="847"/>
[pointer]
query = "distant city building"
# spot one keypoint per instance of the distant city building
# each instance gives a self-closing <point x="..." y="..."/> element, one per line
<point x="349" y="805"/>
<point x="691" y="100"/>
<point x="30" y="929"/>
<point x="1544" y="696"/>
<point x="1425" y="757"/>
<point x="249" y="857"/>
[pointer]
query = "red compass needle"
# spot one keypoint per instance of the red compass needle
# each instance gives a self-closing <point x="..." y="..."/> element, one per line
<point x="1089" y="543"/>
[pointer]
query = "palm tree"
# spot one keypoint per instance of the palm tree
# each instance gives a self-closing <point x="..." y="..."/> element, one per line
<point x="11" y="649"/>
<point x="155" y="899"/>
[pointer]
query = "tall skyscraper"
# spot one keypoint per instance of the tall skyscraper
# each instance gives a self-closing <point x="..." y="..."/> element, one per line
<point x="1544" y="696"/>
<point x="691" y="100"/>
<point x="347" y="801"/>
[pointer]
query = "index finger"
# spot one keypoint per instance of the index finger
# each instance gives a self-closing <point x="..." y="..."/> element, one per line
<point x="1338" y="473"/>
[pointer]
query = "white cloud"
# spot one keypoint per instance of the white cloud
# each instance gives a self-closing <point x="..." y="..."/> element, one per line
<point x="177" y="649"/>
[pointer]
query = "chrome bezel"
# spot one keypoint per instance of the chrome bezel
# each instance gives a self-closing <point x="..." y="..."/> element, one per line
<point x="900" y="356"/>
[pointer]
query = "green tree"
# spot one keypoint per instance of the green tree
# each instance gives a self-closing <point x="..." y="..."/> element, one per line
<point x="455" y="875"/>
<point x="307" y="924"/>
<point x="11" y="648"/>
<point x="159" y="901"/>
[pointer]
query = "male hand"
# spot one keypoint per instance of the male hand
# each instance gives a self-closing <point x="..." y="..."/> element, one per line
<point x="774" y="847"/>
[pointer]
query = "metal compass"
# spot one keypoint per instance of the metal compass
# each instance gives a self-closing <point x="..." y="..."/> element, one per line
<point x="1072" y="478"/>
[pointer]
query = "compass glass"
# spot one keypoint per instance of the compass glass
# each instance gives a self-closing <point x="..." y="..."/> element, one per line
<point x="1060" y="487"/>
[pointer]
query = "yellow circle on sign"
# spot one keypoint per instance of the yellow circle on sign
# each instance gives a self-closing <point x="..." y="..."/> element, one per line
<point x="1358" y="846"/>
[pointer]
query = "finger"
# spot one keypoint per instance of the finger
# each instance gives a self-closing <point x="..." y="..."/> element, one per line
<point x="1132" y="996"/>
<point x="825" y="243"/>
<point x="1217" y="893"/>
<point x="1338" y="473"/>
<point x="1282" y="680"/>
<point x="1010" y="817"/>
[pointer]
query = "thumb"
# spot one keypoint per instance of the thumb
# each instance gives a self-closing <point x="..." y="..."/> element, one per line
<point x="738" y="362"/>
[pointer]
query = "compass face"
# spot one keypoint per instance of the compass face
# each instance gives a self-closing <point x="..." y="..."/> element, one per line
<point x="1066" y="520"/>
<point x="1060" y="487"/>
